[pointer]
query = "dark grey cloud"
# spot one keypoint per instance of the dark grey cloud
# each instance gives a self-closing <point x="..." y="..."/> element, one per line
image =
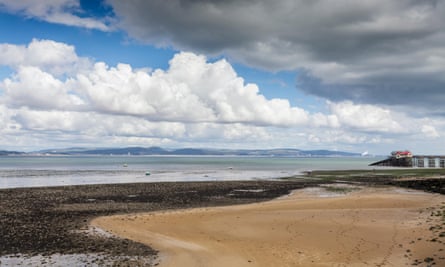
<point x="420" y="97"/>
<point x="390" y="52"/>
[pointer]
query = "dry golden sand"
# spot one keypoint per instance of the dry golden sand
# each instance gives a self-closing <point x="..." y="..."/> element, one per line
<point x="369" y="227"/>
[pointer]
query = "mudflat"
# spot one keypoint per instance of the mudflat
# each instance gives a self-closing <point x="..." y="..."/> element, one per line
<point x="370" y="226"/>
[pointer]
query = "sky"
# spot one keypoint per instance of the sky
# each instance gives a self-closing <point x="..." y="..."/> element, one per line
<point x="358" y="76"/>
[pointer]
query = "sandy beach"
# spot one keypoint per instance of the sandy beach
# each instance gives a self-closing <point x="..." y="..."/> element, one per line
<point x="383" y="226"/>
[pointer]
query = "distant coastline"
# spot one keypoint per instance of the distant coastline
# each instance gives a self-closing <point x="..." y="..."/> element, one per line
<point x="152" y="151"/>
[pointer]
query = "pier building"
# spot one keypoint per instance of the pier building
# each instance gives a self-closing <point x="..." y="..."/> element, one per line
<point x="406" y="159"/>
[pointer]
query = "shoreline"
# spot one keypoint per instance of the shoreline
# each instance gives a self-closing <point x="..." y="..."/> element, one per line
<point x="43" y="222"/>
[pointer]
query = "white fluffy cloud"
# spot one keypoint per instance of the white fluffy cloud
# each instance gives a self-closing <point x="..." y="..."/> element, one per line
<point x="50" y="56"/>
<point x="34" y="88"/>
<point x="365" y="117"/>
<point x="58" y="95"/>
<point x="54" y="93"/>
<point x="90" y="123"/>
<point x="7" y="124"/>
<point x="191" y="90"/>
<point x="430" y="131"/>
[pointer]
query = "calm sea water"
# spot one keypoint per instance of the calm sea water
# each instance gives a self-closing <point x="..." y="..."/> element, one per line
<point x="33" y="171"/>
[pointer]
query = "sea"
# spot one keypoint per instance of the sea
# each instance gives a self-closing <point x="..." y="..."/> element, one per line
<point x="38" y="171"/>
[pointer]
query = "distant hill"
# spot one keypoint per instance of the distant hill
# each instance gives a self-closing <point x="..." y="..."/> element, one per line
<point x="285" y="152"/>
<point x="10" y="153"/>
<point x="127" y="151"/>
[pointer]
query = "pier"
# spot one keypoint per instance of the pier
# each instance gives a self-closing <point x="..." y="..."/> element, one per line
<point x="413" y="161"/>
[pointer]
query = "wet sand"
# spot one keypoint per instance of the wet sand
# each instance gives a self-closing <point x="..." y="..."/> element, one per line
<point x="367" y="227"/>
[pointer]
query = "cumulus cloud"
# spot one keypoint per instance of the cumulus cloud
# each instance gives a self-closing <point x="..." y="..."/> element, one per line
<point x="193" y="100"/>
<point x="94" y="124"/>
<point x="32" y="87"/>
<point x="190" y="90"/>
<point x="67" y="12"/>
<point x="104" y="129"/>
<point x="377" y="52"/>
<point x="344" y="138"/>
<point x="430" y="131"/>
<point x="365" y="117"/>
<point x="50" y="56"/>
<point x="7" y="124"/>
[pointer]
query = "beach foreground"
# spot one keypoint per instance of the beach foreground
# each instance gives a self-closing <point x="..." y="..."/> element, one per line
<point x="49" y="226"/>
<point x="311" y="227"/>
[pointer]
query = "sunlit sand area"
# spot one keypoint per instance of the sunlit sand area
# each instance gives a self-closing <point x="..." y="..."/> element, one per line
<point x="330" y="226"/>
